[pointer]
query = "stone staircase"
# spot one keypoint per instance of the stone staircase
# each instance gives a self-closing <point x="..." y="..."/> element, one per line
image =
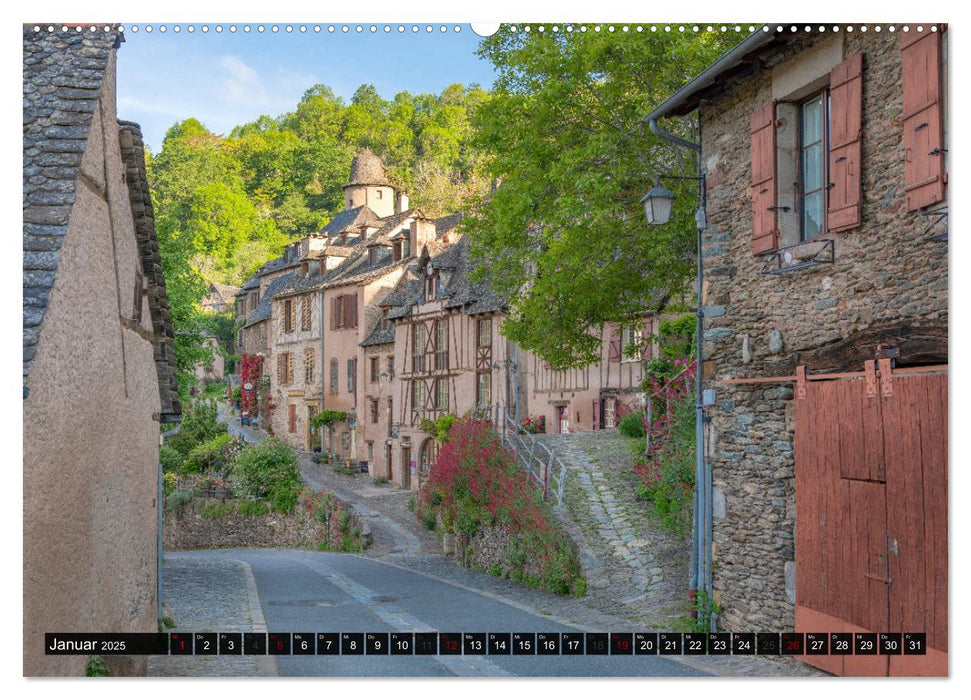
<point x="632" y="566"/>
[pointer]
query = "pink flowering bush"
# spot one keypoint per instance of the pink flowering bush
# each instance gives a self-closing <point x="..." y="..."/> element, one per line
<point x="666" y="475"/>
<point x="476" y="483"/>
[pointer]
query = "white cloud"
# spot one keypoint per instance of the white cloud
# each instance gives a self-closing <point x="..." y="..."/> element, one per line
<point x="240" y="83"/>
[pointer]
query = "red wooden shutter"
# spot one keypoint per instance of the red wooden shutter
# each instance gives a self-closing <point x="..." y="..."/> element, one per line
<point x="614" y="355"/>
<point x="596" y="414"/>
<point x="765" y="230"/>
<point x="846" y="112"/>
<point x="923" y="142"/>
<point x="293" y="418"/>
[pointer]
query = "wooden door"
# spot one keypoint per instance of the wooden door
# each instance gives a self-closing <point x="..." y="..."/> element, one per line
<point x="871" y="504"/>
<point x="387" y="458"/>
<point x="406" y="467"/>
<point x="563" y="418"/>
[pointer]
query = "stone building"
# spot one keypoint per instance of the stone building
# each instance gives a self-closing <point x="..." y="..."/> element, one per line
<point x="221" y="298"/>
<point x="825" y="263"/>
<point x="99" y="363"/>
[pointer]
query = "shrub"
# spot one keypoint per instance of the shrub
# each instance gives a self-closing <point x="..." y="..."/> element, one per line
<point x="380" y="480"/>
<point x="169" y="481"/>
<point x="631" y="425"/>
<point x="170" y="458"/>
<point x="666" y="476"/>
<point x="177" y="501"/>
<point x="212" y="455"/>
<point x="268" y="469"/>
<point x="199" y="424"/>
<point x="252" y="508"/>
<point x="216" y="509"/>
<point x="475" y="483"/>
<point x="340" y="533"/>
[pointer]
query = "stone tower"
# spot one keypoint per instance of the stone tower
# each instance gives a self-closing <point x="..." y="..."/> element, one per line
<point x="369" y="185"/>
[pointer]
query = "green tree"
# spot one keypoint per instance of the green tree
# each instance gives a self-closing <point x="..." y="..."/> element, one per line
<point x="564" y="236"/>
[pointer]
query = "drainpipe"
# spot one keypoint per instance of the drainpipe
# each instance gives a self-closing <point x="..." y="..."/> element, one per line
<point x="701" y="545"/>
<point x="160" y="500"/>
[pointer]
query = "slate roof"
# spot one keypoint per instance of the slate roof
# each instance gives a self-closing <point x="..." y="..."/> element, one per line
<point x="367" y="169"/>
<point x="265" y="307"/>
<point x="459" y="291"/>
<point x="349" y="218"/>
<point x="163" y="341"/>
<point x="225" y="291"/>
<point x="379" y="336"/>
<point x="447" y="223"/>
<point x="62" y="74"/>
<point x="252" y="283"/>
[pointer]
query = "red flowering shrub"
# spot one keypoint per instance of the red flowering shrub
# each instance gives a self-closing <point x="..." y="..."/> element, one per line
<point x="476" y="483"/>
<point x="666" y="475"/>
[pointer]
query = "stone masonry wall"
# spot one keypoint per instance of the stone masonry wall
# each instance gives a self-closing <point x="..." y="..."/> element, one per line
<point x="757" y="324"/>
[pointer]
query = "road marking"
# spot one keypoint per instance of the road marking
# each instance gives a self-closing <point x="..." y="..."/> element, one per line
<point x="403" y="621"/>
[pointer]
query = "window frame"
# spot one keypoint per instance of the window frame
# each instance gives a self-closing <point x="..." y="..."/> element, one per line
<point x="823" y="96"/>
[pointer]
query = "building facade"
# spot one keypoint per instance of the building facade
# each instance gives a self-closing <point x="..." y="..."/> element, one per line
<point x="99" y="359"/>
<point x="826" y="306"/>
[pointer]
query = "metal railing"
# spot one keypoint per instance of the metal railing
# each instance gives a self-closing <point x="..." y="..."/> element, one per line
<point x="540" y="462"/>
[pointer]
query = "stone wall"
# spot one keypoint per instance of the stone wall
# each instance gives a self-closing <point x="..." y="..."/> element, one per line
<point x="191" y="529"/>
<point x="757" y="325"/>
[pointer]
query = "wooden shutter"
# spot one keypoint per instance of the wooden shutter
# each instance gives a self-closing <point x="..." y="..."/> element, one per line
<point x="596" y="414"/>
<point x="923" y="130"/>
<point x="293" y="417"/>
<point x="351" y="308"/>
<point x="614" y="355"/>
<point x="765" y="228"/>
<point x="333" y="313"/>
<point x="648" y="348"/>
<point x="846" y="121"/>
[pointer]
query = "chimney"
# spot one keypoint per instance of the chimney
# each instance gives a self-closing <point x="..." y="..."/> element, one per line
<point x="402" y="202"/>
<point x="422" y="231"/>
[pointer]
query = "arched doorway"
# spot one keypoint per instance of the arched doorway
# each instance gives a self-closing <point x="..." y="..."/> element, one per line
<point x="427" y="455"/>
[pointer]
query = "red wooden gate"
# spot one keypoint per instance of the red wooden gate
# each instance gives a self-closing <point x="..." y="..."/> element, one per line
<point x="871" y="513"/>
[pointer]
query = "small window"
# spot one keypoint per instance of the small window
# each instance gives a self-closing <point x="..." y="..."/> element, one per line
<point x="308" y="365"/>
<point x="483" y="390"/>
<point x="632" y="344"/>
<point x="305" y="312"/>
<point x="333" y="375"/>
<point x="441" y="394"/>
<point x="417" y="395"/>
<point x="813" y="124"/>
<point x="485" y="332"/>
<point x="346" y="441"/>
<point x="351" y="375"/>
<point x="379" y="194"/>
<point x="441" y="344"/>
<point x="375" y="363"/>
<point x="418" y="347"/>
<point x="374" y="410"/>
<point x="390" y="367"/>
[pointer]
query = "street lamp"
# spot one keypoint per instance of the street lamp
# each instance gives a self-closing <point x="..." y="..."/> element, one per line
<point x="657" y="204"/>
<point x="657" y="207"/>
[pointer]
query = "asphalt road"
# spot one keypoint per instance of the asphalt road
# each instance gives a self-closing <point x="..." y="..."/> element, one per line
<point x="304" y="591"/>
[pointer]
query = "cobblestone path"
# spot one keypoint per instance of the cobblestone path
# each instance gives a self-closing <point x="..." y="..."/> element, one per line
<point x="633" y="566"/>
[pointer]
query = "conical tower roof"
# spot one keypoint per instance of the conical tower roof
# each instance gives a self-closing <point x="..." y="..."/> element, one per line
<point x="367" y="169"/>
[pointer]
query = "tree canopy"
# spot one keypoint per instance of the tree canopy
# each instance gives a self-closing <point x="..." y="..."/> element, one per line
<point x="563" y="238"/>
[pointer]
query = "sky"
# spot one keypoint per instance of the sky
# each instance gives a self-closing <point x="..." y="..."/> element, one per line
<point x="229" y="78"/>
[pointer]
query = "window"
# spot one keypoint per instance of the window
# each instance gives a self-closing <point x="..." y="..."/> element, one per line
<point x="379" y="194"/>
<point x="806" y="160"/>
<point x="343" y="312"/>
<point x="431" y="286"/>
<point x="308" y="365"/>
<point x="417" y="395"/>
<point x="418" y="347"/>
<point x="441" y="344"/>
<point x="351" y="375"/>
<point x="370" y="450"/>
<point x="375" y="363"/>
<point x="333" y="375"/>
<point x="812" y="165"/>
<point x="390" y="416"/>
<point x="441" y="394"/>
<point x="385" y="322"/>
<point x="374" y="410"/>
<point x="284" y="368"/>
<point x="484" y="332"/>
<point x="305" y="313"/>
<point x="390" y="367"/>
<point x="483" y="389"/>
<point x="631" y="338"/>
<point x="289" y="316"/>
<point x="346" y="441"/>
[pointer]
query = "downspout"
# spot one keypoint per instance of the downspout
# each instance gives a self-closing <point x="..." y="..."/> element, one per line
<point x="160" y="500"/>
<point x="701" y="545"/>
